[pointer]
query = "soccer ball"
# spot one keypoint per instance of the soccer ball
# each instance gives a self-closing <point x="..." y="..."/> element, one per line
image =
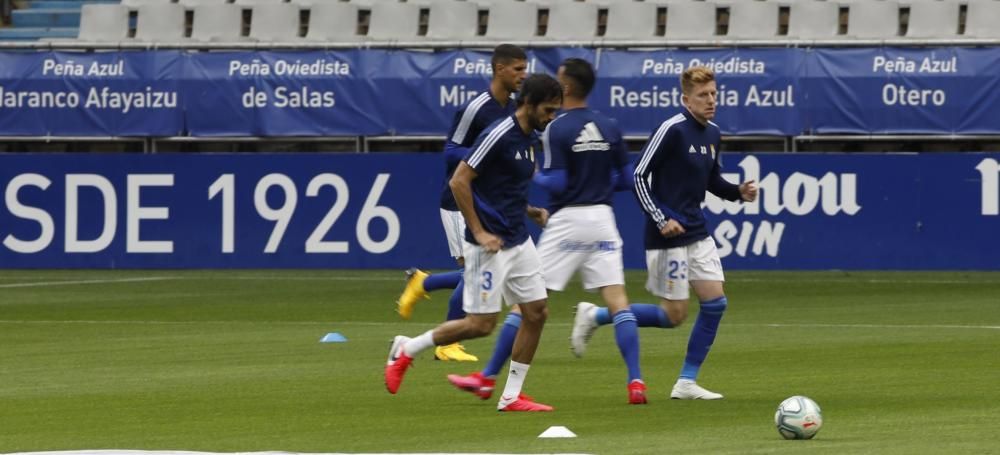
<point x="798" y="417"/>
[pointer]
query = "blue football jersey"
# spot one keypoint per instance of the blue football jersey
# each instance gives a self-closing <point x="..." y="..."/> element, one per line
<point x="589" y="147"/>
<point x="679" y="163"/>
<point x="470" y="120"/>
<point x="504" y="160"/>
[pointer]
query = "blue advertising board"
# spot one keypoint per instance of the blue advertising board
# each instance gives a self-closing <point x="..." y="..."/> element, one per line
<point x="815" y="211"/>
<point x="762" y="91"/>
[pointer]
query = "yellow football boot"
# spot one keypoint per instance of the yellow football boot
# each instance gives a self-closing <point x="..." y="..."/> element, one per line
<point x="413" y="292"/>
<point x="454" y="352"/>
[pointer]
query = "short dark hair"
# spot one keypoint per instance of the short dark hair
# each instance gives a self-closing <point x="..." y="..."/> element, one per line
<point x="582" y="74"/>
<point x="506" y="53"/>
<point x="539" y="88"/>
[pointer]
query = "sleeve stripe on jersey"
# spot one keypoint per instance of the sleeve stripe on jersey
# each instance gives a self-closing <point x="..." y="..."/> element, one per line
<point x="488" y="143"/>
<point x="470" y="114"/>
<point x="546" y="148"/>
<point x="641" y="183"/>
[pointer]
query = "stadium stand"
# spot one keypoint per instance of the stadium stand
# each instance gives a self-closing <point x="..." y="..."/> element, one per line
<point x="512" y="21"/>
<point x="873" y="20"/>
<point x="217" y="23"/>
<point x="753" y="20"/>
<point x="392" y="21"/>
<point x="105" y="23"/>
<point x="933" y="20"/>
<point x="453" y="21"/>
<point x="574" y="21"/>
<point x="191" y="4"/>
<point x="691" y="21"/>
<point x="333" y="22"/>
<point x="632" y="21"/>
<point x="277" y="22"/>
<point x="160" y="22"/>
<point x="982" y="18"/>
<point x="813" y="20"/>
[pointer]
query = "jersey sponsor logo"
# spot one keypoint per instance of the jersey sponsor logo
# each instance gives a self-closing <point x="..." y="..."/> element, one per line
<point x="702" y="149"/>
<point x="578" y="246"/>
<point x="590" y="139"/>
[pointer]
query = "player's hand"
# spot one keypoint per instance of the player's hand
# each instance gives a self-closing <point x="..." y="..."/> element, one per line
<point x="672" y="229"/>
<point x="748" y="191"/>
<point x="539" y="215"/>
<point x="489" y="242"/>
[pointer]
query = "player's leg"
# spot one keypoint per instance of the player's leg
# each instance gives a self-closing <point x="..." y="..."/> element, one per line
<point x="706" y="279"/>
<point x="419" y="283"/>
<point x="627" y="339"/>
<point x="404" y="349"/>
<point x="603" y="270"/>
<point x="664" y="271"/>
<point x="482" y="383"/>
<point x="482" y="304"/>
<point x="559" y="268"/>
<point x="455" y="351"/>
<point x="525" y="287"/>
<point x="455" y="229"/>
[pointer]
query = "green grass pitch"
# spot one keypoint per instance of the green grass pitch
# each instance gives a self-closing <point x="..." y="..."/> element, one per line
<point x="230" y="361"/>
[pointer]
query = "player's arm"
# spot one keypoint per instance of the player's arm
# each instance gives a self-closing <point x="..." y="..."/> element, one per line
<point x="453" y="153"/>
<point x="539" y="215"/>
<point x="719" y="186"/>
<point x="622" y="176"/>
<point x="461" y="188"/>
<point x="552" y="173"/>
<point x="653" y="153"/>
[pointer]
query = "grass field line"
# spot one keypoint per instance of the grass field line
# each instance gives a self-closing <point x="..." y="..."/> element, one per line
<point x="32" y="284"/>
<point x="551" y="324"/>
<point x="184" y="452"/>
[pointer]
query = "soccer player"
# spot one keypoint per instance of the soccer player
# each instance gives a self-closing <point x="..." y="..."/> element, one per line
<point x="491" y="189"/>
<point x="509" y="64"/>
<point x="679" y="163"/>
<point x="585" y="163"/>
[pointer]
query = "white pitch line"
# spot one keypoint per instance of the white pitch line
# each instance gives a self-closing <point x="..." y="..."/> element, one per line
<point x="875" y="326"/>
<point x="185" y="452"/>
<point x="77" y="282"/>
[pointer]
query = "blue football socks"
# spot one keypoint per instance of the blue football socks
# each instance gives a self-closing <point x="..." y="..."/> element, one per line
<point x="455" y="310"/>
<point x="504" y="345"/>
<point x="627" y="337"/>
<point x="702" y="336"/>
<point x="650" y="315"/>
<point x="646" y="315"/>
<point x="446" y="280"/>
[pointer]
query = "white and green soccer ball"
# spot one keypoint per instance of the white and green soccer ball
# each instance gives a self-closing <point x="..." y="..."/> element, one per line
<point x="798" y="417"/>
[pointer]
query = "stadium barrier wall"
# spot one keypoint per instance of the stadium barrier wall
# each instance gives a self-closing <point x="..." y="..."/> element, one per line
<point x="368" y="92"/>
<point x="815" y="211"/>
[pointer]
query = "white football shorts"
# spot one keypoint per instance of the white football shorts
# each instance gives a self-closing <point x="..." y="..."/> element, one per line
<point x="670" y="270"/>
<point x="583" y="238"/>
<point x="454" y="229"/>
<point x="513" y="275"/>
